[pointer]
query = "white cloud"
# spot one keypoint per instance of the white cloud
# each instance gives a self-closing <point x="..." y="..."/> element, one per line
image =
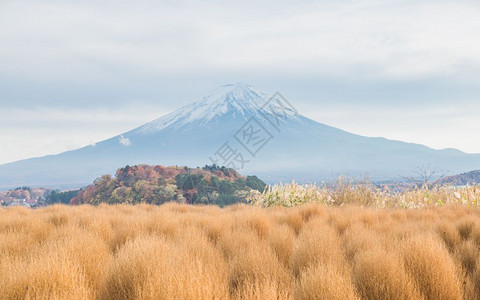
<point x="124" y="141"/>
<point x="58" y="41"/>
<point x="31" y="133"/>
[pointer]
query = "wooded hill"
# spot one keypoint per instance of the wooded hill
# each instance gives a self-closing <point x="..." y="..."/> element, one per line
<point x="158" y="184"/>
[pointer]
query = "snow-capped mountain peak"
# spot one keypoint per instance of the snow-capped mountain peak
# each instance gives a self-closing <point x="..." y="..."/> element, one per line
<point x="219" y="128"/>
<point x="238" y="100"/>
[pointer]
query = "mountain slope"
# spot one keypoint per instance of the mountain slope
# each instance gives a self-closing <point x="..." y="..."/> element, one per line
<point x="272" y="139"/>
<point x="468" y="178"/>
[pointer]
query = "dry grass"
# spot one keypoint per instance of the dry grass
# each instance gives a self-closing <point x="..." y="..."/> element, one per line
<point x="365" y="194"/>
<point x="240" y="252"/>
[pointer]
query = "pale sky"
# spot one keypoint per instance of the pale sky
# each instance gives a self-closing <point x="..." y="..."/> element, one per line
<point x="73" y="73"/>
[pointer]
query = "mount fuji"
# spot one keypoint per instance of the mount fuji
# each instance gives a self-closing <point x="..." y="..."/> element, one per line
<point x="238" y="126"/>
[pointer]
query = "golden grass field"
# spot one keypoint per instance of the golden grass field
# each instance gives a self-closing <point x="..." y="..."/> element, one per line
<point x="240" y="252"/>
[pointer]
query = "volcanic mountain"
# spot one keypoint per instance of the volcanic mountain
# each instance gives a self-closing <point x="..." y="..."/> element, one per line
<point x="239" y="126"/>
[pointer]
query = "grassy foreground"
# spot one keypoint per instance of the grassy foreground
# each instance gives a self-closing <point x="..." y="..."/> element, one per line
<point x="240" y="252"/>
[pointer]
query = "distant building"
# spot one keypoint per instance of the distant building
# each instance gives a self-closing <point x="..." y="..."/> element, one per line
<point x="22" y="204"/>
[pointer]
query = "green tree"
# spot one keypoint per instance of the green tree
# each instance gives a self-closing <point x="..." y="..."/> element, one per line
<point x="240" y="184"/>
<point x="255" y="183"/>
<point x="226" y="187"/>
<point x="187" y="181"/>
<point x="61" y="197"/>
